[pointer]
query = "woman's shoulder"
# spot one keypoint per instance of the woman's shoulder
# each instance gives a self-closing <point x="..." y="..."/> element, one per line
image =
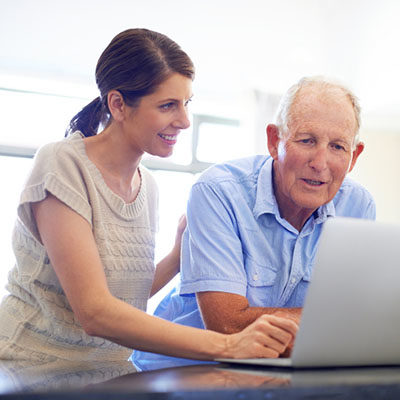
<point x="60" y="156"/>
<point x="59" y="162"/>
<point x="66" y="145"/>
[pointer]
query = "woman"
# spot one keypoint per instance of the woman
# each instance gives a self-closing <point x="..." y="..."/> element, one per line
<point x="84" y="239"/>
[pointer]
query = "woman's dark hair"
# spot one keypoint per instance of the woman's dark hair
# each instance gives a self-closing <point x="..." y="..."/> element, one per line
<point x="135" y="63"/>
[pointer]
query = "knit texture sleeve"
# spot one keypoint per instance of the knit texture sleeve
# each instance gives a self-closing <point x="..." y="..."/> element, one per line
<point x="56" y="170"/>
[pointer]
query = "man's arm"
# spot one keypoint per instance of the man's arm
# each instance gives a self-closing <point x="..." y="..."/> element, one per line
<point x="230" y="313"/>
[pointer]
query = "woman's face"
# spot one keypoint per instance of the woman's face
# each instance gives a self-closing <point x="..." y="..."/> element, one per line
<point x="154" y="125"/>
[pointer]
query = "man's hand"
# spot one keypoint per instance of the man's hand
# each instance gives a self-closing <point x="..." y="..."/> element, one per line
<point x="294" y="315"/>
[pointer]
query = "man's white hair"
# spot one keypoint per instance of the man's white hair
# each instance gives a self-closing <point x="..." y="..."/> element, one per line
<point x="283" y="113"/>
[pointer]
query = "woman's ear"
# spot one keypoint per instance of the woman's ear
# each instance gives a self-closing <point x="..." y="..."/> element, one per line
<point x="273" y="140"/>
<point x="116" y="105"/>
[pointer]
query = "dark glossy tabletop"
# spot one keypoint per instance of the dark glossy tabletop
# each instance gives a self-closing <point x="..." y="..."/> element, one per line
<point x="213" y="381"/>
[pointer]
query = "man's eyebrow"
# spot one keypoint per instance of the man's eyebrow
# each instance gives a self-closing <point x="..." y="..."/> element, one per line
<point x="303" y="133"/>
<point x="342" y="139"/>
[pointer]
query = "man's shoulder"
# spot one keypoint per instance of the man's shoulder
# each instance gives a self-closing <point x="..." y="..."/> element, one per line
<point x="238" y="170"/>
<point x="352" y="188"/>
<point x="354" y="200"/>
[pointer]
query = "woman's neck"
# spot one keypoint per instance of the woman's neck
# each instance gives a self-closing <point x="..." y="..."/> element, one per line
<point x="117" y="162"/>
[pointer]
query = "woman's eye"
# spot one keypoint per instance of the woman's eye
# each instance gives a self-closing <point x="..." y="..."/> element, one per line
<point x="167" y="106"/>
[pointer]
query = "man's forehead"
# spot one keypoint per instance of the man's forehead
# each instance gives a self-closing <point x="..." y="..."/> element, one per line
<point x="318" y="94"/>
<point x="312" y="104"/>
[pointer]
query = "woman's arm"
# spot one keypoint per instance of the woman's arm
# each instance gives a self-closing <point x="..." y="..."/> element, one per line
<point x="73" y="253"/>
<point x="169" y="266"/>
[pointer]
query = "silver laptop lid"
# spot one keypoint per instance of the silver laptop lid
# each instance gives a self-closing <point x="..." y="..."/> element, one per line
<point x="352" y="309"/>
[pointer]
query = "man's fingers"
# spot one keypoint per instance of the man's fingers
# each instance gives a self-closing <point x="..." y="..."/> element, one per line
<point x="270" y="341"/>
<point x="280" y="331"/>
<point x="287" y="324"/>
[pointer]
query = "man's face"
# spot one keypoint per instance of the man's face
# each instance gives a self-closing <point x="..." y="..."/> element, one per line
<point x="311" y="161"/>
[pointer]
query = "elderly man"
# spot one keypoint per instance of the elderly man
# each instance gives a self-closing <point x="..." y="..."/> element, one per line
<point x="254" y="224"/>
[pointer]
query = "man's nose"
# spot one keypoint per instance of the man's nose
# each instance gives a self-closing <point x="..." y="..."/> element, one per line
<point x="319" y="158"/>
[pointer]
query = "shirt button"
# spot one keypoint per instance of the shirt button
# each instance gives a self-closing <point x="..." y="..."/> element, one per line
<point x="255" y="277"/>
<point x="293" y="280"/>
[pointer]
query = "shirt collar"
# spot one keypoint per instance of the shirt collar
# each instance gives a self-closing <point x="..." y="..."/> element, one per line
<point x="266" y="201"/>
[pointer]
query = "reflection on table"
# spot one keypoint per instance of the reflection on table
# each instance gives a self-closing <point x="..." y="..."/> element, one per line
<point x="78" y="380"/>
<point x="197" y="377"/>
<point x="23" y="376"/>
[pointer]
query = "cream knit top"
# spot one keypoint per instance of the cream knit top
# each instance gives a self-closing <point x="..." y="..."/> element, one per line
<point x="36" y="320"/>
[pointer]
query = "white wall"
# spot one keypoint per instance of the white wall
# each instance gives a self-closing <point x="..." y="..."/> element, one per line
<point x="378" y="169"/>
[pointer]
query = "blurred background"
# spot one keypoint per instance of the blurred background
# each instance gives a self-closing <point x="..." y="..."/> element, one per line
<point x="246" y="54"/>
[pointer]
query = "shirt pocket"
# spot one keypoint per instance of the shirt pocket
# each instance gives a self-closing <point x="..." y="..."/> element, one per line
<point x="261" y="281"/>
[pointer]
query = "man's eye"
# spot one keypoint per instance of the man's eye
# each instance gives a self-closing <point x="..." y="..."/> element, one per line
<point x="305" y="141"/>
<point x="187" y="102"/>
<point x="338" y="147"/>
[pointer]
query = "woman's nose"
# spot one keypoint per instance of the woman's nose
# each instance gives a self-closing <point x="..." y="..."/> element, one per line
<point x="182" y="121"/>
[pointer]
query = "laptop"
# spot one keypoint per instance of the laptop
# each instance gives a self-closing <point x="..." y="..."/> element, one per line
<point x="351" y="315"/>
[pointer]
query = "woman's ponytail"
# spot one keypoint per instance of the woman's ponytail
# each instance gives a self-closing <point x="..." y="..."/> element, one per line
<point x="88" y="119"/>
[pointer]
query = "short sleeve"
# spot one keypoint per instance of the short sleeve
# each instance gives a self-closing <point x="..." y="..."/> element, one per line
<point x="56" y="170"/>
<point x="212" y="257"/>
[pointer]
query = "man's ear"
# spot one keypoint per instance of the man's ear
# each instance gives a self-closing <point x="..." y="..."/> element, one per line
<point x="273" y="140"/>
<point x="116" y="105"/>
<point x="356" y="152"/>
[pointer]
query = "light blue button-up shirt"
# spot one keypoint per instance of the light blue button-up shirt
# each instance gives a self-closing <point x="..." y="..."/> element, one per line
<point x="237" y="242"/>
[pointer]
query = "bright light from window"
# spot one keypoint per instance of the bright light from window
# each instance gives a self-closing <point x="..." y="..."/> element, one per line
<point x="218" y="142"/>
<point x="32" y="120"/>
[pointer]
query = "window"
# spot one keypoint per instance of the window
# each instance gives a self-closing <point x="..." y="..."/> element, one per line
<point x="221" y="139"/>
<point x="33" y="119"/>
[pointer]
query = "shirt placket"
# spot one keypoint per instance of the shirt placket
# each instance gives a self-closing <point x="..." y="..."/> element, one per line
<point x="295" y="271"/>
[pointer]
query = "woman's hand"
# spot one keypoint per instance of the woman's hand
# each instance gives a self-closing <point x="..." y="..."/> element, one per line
<point x="269" y="336"/>
<point x="179" y="232"/>
<point x="169" y="266"/>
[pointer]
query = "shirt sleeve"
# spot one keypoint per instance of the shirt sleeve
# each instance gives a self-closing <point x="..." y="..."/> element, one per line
<point x="54" y="171"/>
<point x="212" y="257"/>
